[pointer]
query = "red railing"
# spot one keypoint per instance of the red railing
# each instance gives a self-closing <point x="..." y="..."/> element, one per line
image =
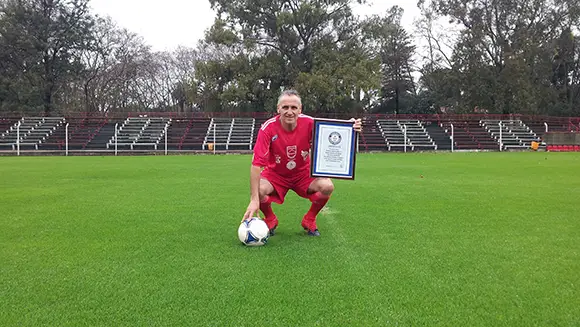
<point x="430" y="117"/>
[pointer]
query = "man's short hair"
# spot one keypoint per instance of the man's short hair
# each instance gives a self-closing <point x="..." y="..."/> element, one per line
<point x="289" y="93"/>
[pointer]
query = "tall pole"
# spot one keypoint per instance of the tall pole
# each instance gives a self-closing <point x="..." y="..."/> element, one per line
<point x="452" y="138"/>
<point x="18" y="138"/>
<point x="66" y="138"/>
<point x="500" y="137"/>
<point x="405" y="137"/>
<point x="116" y="125"/>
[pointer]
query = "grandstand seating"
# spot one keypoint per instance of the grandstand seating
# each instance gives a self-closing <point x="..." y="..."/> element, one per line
<point x="230" y="134"/>
<point x="437" y="134"/>
<point x="54" y="141"/>
<point x="539" y="124"/>
<point x="468" y="134"/>
<point x="514" y="133"/>
<point x="418" y="136"/>
<point x="241" y="135"/>
<point x="371" y="138"/>
<point x="95" y="132"/>
<point x="218" y="133"/>
<point x="257" y="125"/>
<point x="194" y="135"/>
<point x="536" y="126"/>
<point x="140" y="133"/>
<point x="34" y="131"/>
<point x="176" y="132"/>
<point x="575" y="125"/>
<point x="6" y="123"/>
<point x="153" y="134"/>
<point x="394" y="131"/>
<point x="462" y="139"/>
<point x="80" y="131"/>
<point x="88" y="131"/>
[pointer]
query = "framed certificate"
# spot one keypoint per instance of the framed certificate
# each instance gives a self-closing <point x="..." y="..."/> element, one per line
<point x="333" y="149"/>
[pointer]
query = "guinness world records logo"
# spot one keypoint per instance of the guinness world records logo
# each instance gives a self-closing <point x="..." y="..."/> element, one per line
<point x="334" y="138"/>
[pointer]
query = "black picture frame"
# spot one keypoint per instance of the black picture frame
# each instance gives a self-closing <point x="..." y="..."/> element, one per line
<point x="328" y="129"/>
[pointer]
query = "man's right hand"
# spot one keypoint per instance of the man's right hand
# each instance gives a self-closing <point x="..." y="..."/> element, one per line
<point x="253" y="209"/>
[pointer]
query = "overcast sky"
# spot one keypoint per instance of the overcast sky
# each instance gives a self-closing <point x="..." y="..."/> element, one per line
<point x="169" y="23"/>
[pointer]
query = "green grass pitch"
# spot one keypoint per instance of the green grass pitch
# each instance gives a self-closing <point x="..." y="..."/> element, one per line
<point x="483" y="239"/>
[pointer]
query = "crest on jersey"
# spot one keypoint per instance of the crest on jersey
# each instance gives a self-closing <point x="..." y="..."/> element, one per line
<point x="291" y="151"/>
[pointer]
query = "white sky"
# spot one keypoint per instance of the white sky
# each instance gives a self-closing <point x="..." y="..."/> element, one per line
<point x="169" y="23"/>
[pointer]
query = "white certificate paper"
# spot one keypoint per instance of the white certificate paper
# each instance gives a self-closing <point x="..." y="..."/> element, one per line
<point x="333" y="149"/>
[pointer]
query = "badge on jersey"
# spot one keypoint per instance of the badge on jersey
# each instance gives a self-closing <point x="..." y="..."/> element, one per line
<point x="291" y="151"/>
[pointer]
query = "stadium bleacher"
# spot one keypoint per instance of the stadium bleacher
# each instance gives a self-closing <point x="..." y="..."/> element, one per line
<point x="437" y="134"/>
<point x="371" y="138"/>
<point x="81" y="129"/>
<point x="153" y="133"/>
<point x="140" y="133"/>
<point x="393" y="134"/>
<point x="195" y="132"/>
<point x="468" y="134"/>
<point x="405" y="133"/>
<point x="218" y="134"/>
<point x="418" y="136"/>
<point x="514" y="133"/>
<point x="241" y="134"/>
<point x="257" y="125"/>
<point x="32" y="132"/>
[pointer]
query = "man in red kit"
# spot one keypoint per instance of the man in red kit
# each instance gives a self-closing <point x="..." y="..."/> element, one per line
<point x="281" y="162"/>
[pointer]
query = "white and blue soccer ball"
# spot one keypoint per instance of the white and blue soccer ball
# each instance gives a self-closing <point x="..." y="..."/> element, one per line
<point x="253" y="232"/>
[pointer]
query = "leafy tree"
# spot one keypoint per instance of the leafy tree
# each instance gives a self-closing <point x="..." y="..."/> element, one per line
<point x="396" y="50"/>
<point x="505" y="53"/>
<point x="313" y="46"/>
<point x="41" y="40"/>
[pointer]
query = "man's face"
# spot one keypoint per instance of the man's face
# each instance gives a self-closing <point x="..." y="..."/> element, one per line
<point x="289" y="109"/>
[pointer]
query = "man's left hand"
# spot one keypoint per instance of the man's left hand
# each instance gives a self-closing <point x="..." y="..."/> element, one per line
<point x="357" y="124"/>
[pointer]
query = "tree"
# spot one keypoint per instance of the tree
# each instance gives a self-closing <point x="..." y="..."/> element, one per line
<point x="43" y="39"/>
<point x="564" y="71"/>
<point x="293" y="44"/>
<point x="112" y="62"/>
<point x="396" y="51"/>
<point x="504" y="54"/>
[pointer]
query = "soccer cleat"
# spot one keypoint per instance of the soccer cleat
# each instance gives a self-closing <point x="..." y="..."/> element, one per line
<point x="313" y="233"/>
<point x="273" y="230"/>
<point x="309" y="225"/>
<point x="272" y="223"/>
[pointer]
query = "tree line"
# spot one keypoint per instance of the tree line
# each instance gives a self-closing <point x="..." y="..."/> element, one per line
<point x="463" y="56"/>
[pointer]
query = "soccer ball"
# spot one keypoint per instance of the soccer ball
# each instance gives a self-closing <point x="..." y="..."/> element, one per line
<point x="253" y="232"/>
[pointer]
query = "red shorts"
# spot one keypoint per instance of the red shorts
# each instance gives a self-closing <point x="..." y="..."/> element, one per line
<point x="298" y="183"/>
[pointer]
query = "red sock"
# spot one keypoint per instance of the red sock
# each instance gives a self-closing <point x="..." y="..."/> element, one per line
<point x="318" y="200"/>
<point x="269" y="216"/>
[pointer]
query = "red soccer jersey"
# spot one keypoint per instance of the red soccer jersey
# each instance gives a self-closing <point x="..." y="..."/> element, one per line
<point x="286" y="153"/>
